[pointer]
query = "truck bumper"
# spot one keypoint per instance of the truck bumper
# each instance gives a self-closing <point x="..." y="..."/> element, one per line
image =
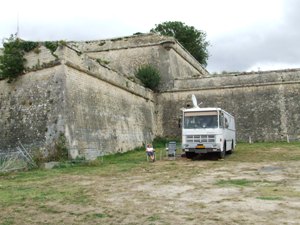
<point x="202" y="150"/>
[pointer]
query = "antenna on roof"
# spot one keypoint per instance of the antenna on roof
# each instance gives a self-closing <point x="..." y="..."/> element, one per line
<point x="194" y="100"/>
<point x="195" y="103"/>
<point x="18" y="27"/>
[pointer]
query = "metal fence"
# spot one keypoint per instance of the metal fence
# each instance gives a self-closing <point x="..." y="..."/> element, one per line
<point x="16" y="160"/>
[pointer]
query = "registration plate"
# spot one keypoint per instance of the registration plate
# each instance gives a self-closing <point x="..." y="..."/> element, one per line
<point x="200" y="146"/>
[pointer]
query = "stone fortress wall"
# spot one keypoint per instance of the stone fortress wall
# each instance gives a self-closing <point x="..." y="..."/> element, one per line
<point x="127" y="54"/>
<point x="99" y="110"/>
<point x="88" y="92"/>
<point x="31" y="109"/>
<point x="265" y="104"/>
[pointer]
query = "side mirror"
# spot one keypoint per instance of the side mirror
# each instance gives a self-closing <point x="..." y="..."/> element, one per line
<point x="179" y="122"/>
<point x="226" y="123"/>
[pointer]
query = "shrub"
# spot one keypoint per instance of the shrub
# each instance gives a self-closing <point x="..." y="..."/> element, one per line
<point x="57" y="152"/>
<point x="51" y="45"/>
<point x="28" y="46"/>
<point x="60" y="152"/>
<point x="12" y="61"/>
<point x="149" y="76"/>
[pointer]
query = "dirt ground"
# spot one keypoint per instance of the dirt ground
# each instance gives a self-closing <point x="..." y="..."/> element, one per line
<point x="181" y="191"/>
<point x="202" y="192"/>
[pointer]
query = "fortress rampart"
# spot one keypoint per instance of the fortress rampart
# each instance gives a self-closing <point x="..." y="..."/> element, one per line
<point x="265" y="104"/>
<point x="88" y="92"/>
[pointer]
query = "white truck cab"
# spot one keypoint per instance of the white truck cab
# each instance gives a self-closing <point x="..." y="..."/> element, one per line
<point x="207" y="130"/>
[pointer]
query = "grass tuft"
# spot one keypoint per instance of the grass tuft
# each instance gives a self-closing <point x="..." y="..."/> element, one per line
<point x="237" y="182"/>
<point x="269" y="198"/>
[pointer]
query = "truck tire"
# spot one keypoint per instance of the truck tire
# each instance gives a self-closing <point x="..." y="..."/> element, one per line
<point x="190" y="155"/>
<point x="232" y="148"/>
<point x="223" y="153"/>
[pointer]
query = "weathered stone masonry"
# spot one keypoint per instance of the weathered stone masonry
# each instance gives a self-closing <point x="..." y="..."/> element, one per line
<point x="97" y="109"/>
<point x="89" y="93"/>
<point x="265" y="104"/>
<point x="32" y="109"/>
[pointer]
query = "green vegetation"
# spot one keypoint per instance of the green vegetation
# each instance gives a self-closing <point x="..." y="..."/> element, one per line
<point x="121" y="162"/>
<point x="237" y="182"/>
<point x="51" y="45"/>
<point x="153" y="218"/>
<point x="102" y="61"/>
<point x="269" y="198"/>
<point x="12" y="62"/>
<point x="160" y="142"/>
<point x="95" y="192"/>
<point x="22" y="193"/>
<point x="192" y="39"/>
<point x="59" y="152"/>
<point x="42" y="185"/>
<point x="266" y="152"/>
<point x="276" y="191"/>
<point x="149" y="76"/>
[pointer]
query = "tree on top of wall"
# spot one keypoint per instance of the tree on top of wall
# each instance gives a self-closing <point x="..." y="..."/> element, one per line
<point x="192" y="39"/>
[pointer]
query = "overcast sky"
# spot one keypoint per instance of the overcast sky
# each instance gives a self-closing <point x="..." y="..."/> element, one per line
<point x="245" y="35"/>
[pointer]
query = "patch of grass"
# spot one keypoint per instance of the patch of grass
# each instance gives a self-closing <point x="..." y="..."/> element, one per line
<point x="269" y="198"/>
<point x="124" y="161"/>
<point x="34" y="175"/>
<point x="94" y="218"/>
<point x="83" y="184"/>
<point x="266" y="152"/>
<point x="100" y="215"/>
<point x="278" y="191"/>
<point x="267" y="190"/>
<point x="153" y="218"/>
<point x="48" y="209"/>
<point x="236" y="182"/>
<point x="190" y="218"/>
<point x="17" y="192"/>
<point x="7" y="221"/>
<point x="133" y="156"/>
<point x="160" y="142"/>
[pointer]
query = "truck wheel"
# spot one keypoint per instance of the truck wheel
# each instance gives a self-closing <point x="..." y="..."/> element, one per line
<point x="190" y="155"/>
<point x="232" y="148"/>
<point x="222" y="153"/>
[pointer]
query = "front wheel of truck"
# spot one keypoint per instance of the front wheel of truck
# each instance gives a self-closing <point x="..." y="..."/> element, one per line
<point x="190" y="155"/>
<point x="223" y="152"/>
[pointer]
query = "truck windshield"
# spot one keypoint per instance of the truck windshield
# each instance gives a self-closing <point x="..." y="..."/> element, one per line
<point x="194" y="121"/>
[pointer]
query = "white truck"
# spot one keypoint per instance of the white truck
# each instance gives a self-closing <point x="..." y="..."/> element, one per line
<point x="207" y="130"/>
